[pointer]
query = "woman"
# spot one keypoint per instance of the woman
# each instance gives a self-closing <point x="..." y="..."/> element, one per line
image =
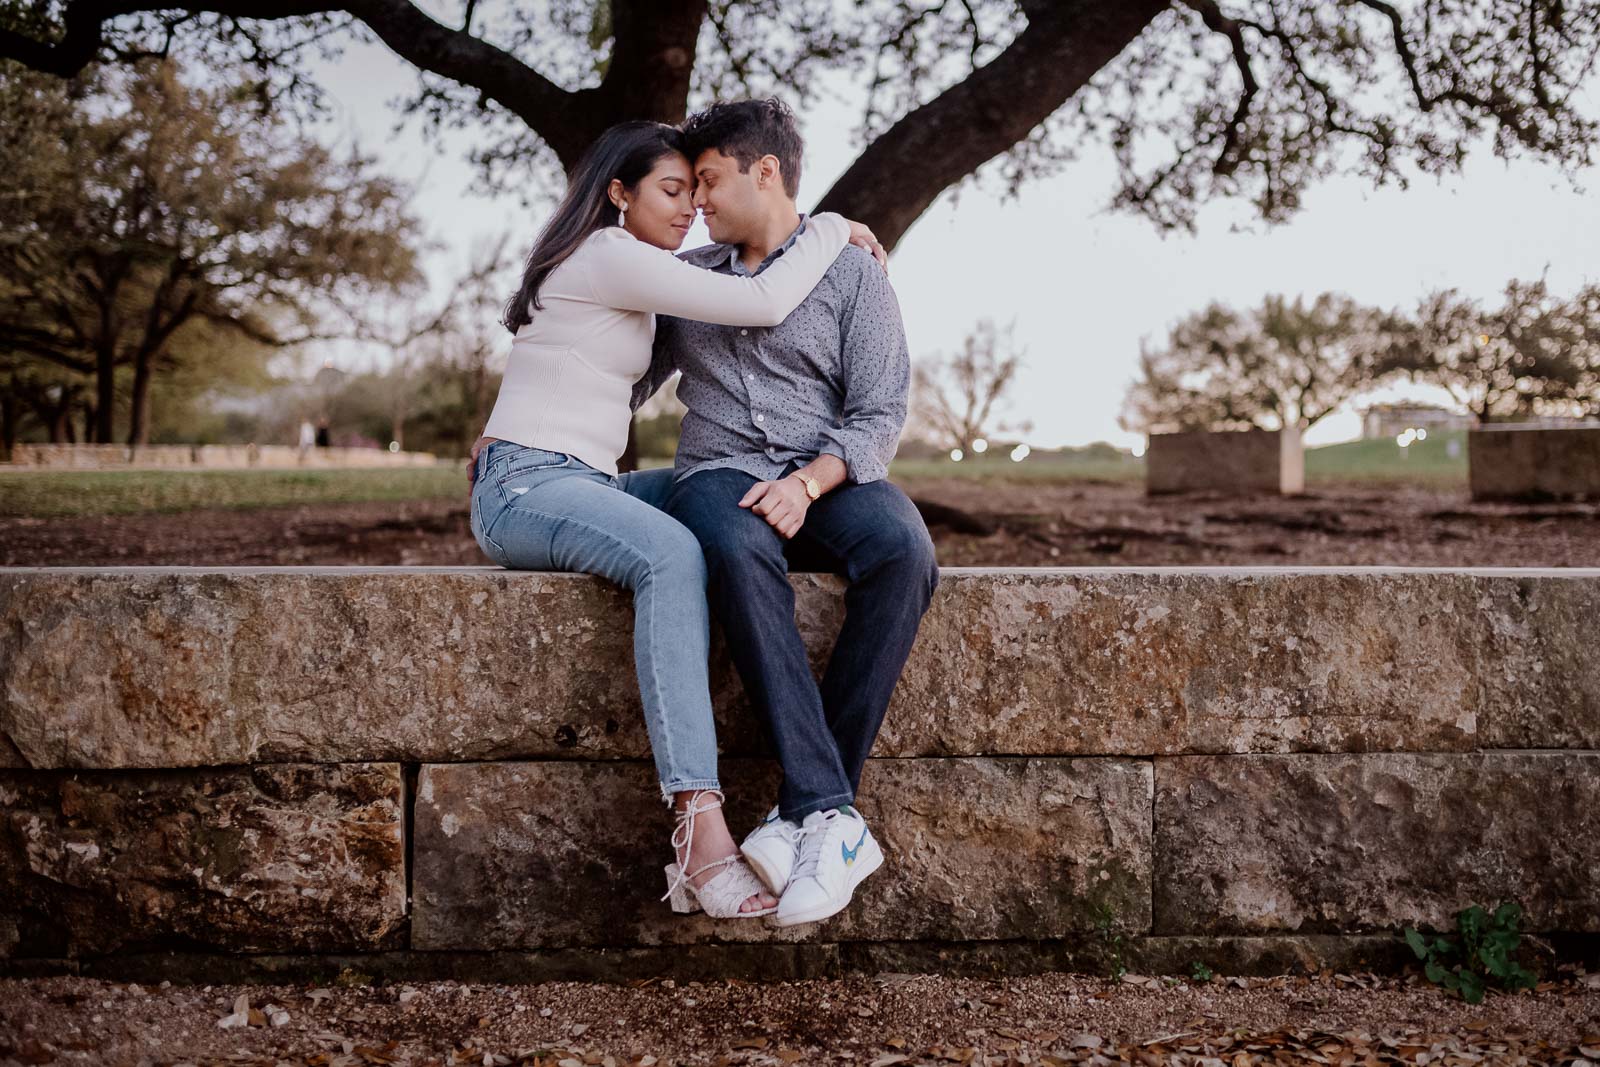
<point x="546" y="493"/>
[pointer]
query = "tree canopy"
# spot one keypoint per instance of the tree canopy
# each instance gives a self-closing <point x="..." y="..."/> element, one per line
<point x="149" y="223"/>
<point x="956" y="400"/>
<point x="1293" y="363"/>
<point x="1199" y="99"/>
<point x="1283" y="364"/>
<point x="1536" y="354"/>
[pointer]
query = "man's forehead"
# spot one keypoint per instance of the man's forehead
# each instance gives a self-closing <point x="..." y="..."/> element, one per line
<point x="712" y="160"/>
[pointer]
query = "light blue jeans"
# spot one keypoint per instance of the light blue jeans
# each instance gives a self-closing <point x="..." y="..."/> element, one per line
<point x="547" y="511"/>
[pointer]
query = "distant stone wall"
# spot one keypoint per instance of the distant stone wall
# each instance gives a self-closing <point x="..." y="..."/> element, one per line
<point x="1234" y="461"/>
<point x="442" y="771"/>
<point x="160" y="457"/>
<point x="1517" y="463"/>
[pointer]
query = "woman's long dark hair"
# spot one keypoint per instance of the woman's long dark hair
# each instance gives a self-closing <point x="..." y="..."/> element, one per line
<point x="626" y="152"/>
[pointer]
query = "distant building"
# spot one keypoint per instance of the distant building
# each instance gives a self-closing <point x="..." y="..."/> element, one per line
<point x="1391" y="420"/>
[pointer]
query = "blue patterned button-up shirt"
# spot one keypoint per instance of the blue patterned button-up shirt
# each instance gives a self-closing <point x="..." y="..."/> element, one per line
<point x="830" y="379"/>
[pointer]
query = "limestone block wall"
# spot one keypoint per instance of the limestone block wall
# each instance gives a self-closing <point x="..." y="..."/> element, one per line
<point x="432" y="771"/>
<point x="1235" y="461"/>
<point x="1513" y="463"/>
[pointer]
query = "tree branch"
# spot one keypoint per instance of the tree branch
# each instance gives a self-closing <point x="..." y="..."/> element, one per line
<point x="559" y="117"/>
<point x="1227" y="159"/>
<point x="936" y="145"/>
<point x="652" y="57"/>
<point x="84" y="24"/>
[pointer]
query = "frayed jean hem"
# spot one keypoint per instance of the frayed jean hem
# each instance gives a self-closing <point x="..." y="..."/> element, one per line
<point x="669" y="788"/>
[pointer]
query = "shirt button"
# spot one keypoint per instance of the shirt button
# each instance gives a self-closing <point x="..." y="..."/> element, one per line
<point x="761" y="418"/>
<point x="744" y="333"/>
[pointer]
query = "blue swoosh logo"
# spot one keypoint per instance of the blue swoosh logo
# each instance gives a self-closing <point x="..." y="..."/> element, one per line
<point x="850" y="853"/>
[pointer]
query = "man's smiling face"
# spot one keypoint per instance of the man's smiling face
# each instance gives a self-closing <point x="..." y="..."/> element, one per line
<point x="728" y="198"/>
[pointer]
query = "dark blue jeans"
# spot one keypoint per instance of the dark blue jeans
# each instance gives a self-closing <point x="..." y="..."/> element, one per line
<point x="873" y="535"/>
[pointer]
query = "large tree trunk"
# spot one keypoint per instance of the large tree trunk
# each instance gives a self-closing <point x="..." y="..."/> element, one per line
<point x="105" y="395"/>
<point x="904" y="170"/>
<point x="10" y="417"/>
<point x="139" y="415"/>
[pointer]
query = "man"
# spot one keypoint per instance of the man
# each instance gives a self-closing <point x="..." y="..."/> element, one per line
<point x="781" y="461"/>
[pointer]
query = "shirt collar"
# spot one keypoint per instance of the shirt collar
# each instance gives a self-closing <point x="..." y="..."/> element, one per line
<point x="736" y="264"/>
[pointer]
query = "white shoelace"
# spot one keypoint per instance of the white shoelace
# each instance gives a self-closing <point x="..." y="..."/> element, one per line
<point x="808" y="845"/>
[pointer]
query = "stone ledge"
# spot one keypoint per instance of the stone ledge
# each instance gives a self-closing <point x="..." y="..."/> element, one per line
<point x="1306" y="844"/>
<point x="153" y="667"/>
<point x="1233" y="461"/>
<point x="1525" y="463"/>
<point x="281" y="857"/>
<point x="514" y="855"/>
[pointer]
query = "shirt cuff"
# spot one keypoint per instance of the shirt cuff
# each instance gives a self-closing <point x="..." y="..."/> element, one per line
<point x="861" y="458"/>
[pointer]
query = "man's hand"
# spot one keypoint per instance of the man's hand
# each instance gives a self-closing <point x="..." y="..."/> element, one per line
<point x="472" y="459"/>
<point x="782" y="503"/>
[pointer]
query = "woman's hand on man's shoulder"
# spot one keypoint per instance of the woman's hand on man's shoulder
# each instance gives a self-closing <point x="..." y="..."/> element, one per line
<point x="861" y="236"/>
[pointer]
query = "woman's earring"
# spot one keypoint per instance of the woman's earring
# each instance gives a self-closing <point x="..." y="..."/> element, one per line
<point x="622" y="213"/>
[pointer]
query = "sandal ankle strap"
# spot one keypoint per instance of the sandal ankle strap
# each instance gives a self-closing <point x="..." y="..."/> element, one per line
<point x="723" y="862"/>
<point x="685" y="827"/>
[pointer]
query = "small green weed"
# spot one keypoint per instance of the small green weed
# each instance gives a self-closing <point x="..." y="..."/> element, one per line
<point x="1482" y="950"/>
<point x="1105" y="928"/>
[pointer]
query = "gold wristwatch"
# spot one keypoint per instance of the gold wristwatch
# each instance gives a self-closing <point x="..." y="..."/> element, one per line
<point x="813" y="487"/>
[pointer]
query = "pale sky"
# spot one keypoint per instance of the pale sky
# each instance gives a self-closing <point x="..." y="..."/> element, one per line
<point x="1083" y="286"/>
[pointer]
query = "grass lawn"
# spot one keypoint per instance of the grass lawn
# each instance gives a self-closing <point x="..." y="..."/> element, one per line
<point x="1039" y="467"/>
<point x="47" y="494"/>
<point x="1427" y="463"/>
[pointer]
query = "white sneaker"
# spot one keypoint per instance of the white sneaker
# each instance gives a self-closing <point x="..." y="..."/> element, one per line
<point x="770" y="848"/>
<point x="836" y="854"/>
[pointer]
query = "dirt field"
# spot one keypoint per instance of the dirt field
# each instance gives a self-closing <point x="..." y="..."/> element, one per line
<point x="864" y="1022"/>
<point x="1075" y="524"/>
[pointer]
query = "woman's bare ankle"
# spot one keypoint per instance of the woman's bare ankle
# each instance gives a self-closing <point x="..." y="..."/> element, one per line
<point x="713" y="842"/>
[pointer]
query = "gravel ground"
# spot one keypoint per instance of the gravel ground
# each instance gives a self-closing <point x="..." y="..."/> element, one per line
<point x="862" y="1022"/>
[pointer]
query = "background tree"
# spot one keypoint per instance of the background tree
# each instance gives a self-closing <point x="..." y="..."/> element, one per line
<point x="1284" y="364"/>
<point x="1530" y="356"/>
<point x="1586" y="396"/>
<point x="954" y="400"/>
<point x="156" y="214"/>
<point x="35" y="395"/>
<point x="1254" y="99"/>
<point x="439" y="359"/>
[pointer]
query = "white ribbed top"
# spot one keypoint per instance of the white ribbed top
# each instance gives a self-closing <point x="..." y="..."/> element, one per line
<point x="571" y="371"/>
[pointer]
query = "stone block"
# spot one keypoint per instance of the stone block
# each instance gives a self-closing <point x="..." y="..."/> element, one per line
<point x="274" y="858"/>
<point x="1311" y="844"/>
<point x="1508" y="463"/>
<point x="1229" y="461"/>
<point x="557" y="854"/>
<point x="188" y="667"/>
